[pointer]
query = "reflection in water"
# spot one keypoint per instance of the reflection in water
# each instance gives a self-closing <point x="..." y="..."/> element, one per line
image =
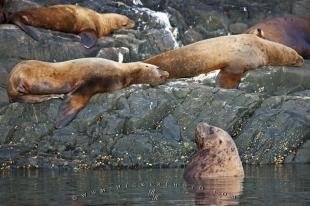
<point x="262" y="185"/>
<point x="219" y="191"/>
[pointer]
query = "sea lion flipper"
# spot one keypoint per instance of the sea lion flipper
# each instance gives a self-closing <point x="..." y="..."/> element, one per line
<point x="88" y="38"/>
<point x="68" y="110"/>
<point x="27" y="29"/>
<point x="228" y="80"/>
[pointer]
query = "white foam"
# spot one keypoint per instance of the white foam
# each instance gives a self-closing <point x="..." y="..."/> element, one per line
<point x="163" y="19"/>
<point x="137" y="2"/>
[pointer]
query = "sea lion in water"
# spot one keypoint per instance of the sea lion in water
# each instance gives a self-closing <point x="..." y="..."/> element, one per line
<point x="233" y="55"/>
<point x="87" y="23"/>
<point x="77" y="81"/>
<point x="217" y="155"/>
<point x="291" y="31"/>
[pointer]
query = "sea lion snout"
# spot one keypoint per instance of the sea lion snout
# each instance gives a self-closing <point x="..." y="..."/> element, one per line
<point x="299" y="61"/>
<point x="161" y="77"/>
<point x="164" y="75"/>
<point x="131" y="24"/>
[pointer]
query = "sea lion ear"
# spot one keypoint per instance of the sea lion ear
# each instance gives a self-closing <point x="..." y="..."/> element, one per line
<point x="259" y="32"/>
<point x="88" y="38"/>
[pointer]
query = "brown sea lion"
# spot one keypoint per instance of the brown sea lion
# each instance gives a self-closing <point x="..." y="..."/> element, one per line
<point x="291" y="31"/>
<point x="217" y="155"/>
<point x="77" y="81"/>
<point x="87" y="23"/>
<point x="233" y="55"/>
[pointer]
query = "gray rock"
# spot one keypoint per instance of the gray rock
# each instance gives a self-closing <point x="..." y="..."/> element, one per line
<point x="276" y="131"/>
<point x="237" y="28"/>
<point x="277" y="80"/>
<point x="301" y="8"/>
<point x="116" y="54"/>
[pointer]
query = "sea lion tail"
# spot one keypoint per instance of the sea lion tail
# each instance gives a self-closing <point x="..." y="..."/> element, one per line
<point x="27" y="29"/>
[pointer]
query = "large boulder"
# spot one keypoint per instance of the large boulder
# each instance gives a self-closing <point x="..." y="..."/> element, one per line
<point x="142" y="126"/>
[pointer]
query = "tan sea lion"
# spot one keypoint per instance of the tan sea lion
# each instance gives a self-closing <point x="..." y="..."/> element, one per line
<point x="217" y="155"/>
<point x="87" y="23"/>
<point x="233" y="55"/>
<point x="292" y="31"/>
<point x="77" y="81"/>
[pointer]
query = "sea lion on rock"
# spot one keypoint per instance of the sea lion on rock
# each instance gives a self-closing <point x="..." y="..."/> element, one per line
<point x="233" y="55"/>
<point x="291" y="31"/>
<point x="77" y="81"/>
<point x="87" y="23"/>
<point x="217" y="155"/>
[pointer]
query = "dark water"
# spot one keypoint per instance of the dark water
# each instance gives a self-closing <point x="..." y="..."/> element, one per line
<point x="264" y="185"/>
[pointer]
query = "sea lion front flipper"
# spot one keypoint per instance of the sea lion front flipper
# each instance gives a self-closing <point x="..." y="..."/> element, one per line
<point x="88" y="38"/>
<point x="69" y="108"/>
<point x="228" y="80"/>
<point x="27" y="29"/>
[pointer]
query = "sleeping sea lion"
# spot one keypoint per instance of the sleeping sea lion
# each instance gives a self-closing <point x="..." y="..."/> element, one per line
<point x="233" y="55"/>
<point x="87" y="23"/>
<point x="292" y="31"/>
<point x="76" y="81"/>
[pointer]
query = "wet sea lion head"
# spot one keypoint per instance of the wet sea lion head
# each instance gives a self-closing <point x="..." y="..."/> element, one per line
<point x="148" y="74"/>
<point x="208" y="137"/>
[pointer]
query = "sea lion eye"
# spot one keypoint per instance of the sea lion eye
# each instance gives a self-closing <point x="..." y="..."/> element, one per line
<point x="220" y="142"/>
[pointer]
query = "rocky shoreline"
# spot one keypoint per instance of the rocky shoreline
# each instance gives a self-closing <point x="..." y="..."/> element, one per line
<point x="142" y="126"/>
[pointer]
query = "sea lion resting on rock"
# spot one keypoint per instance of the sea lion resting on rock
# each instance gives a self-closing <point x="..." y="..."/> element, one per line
<point x="217" y="155"/>
<point x="77" y="81"/>
<point x="87" y="23"/>
<point x="233" y="55"/>
<point x="291" y="31"/>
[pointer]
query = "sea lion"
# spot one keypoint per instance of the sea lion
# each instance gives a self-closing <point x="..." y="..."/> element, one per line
<point x="233" y="55"/>
<point x="217" y="155"/>
<point x="87" y="23"/>
<point x="291" y="31"/>
<point x="76" y="81"/>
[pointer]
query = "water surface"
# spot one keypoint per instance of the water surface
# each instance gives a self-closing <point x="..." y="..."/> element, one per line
<point x="263" y="185"/>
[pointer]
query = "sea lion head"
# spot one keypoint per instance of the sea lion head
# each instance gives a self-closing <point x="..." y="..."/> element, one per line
<point x="208" y="137"/>
<point x="118" y="21"/>
<point x="297" y="60"/>
<point x="149" y="74"/>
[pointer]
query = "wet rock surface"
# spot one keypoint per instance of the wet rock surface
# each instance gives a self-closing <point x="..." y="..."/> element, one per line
<point x="142" y="126"/>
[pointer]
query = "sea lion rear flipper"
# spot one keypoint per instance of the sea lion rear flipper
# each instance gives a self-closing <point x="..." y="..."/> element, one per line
<point x="88" y="38"/>
<point x="27" y="29"/>
<point x="228" y="80"/>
